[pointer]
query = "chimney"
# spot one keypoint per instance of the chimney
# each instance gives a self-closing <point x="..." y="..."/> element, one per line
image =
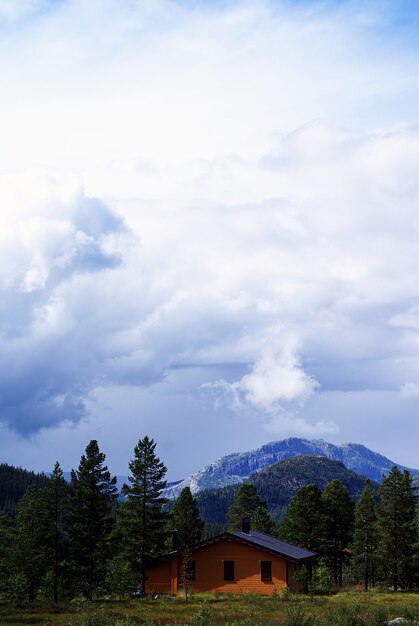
<point x="174" y="541"/>
<point x="246" y="525"/>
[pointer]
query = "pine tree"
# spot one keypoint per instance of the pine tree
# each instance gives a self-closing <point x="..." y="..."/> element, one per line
<point x="364" y="546"/>
<point x="31" y="552"/>
<point x="262" y="521"/>
<point x="303" y="523"/>
<point x="339" y="511"/>
<point x="245" y="503"/>
<point x="91" y="517"/>
<point x="7" y="543"/>
<point x="57" y="493"/>
<point x="397" y="528"/>
<point x="142" y="521"/>
<point x="186" y="522"/>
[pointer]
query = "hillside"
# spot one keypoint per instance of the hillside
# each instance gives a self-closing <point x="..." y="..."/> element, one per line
<point x="13" y="483"/>
<point x="278" y="483"/>
<point x="236" y="468"/>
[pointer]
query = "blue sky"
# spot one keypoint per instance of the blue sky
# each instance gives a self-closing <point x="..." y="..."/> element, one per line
<point x="208" y="227"/>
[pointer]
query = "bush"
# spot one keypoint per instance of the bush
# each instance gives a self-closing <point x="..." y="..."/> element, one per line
<point x="202" y="618"/>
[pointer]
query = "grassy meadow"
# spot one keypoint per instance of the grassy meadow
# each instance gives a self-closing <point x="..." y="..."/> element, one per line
<point x="347" y="608"/>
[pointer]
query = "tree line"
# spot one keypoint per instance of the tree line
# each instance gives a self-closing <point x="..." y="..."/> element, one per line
<point x="80" y="538"/>
<point x="374" y="540"/>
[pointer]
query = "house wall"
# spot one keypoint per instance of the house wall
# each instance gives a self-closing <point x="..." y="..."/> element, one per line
<point x="159" y="579"/>
<point x="209" y="568"/>
<point x="209" y="571"/>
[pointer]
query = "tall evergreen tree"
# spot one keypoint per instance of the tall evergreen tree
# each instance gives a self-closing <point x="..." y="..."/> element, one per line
<point x="339" y="512"/>
<point x="186" y="520"/>
<point x="397" y="528"/>
<point x="364" y="545"/>
<point x="142" y="521"/>
<point x="7" y="542"/>
<point x="262" y="521"/>
<point x="91" y="517"/>
<point x="303" y="523"/>
<point x="31" y="553"/>
<point x="245" y="503"/>
<point x="57" y="494"/>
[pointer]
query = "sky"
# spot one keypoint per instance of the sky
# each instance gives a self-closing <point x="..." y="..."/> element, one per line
<point x="209" y="227"/>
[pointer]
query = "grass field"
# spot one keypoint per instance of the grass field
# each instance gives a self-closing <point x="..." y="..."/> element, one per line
<point x="349" y="608"/>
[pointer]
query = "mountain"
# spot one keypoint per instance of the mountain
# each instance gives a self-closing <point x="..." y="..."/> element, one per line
<point x="278" y="484"/>
<point x="236" y="468"/>
<point x="13" y="483"/>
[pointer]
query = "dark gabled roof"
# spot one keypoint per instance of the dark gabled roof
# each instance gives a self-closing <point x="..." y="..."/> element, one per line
<point x="264" y="542"/>
<point x="267" y="542"/>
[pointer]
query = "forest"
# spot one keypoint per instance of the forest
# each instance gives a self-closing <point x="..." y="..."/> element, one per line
<point x="62" y="540"/>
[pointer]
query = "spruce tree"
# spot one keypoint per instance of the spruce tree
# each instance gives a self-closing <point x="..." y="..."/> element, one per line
<point x="7" y="543"/>
<point x="142" y="521"/>
<point x="397" y="528"/>
<point x="57" y="493"/>
<point x="364" y="545"/>
<point x="262" y="521"/>
<point x="245" y="503"/>
<point x="339" y="511"/>
<point x="31" y="552"/>
<point x="303" y="523"/>
<point x="186" y="522"/>
<point x="91" y="517"/>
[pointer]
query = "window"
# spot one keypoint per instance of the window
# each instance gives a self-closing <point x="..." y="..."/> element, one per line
<point x="190" y="570"/>
<point x="228" y="570"/>
<point x="266" y="571"/>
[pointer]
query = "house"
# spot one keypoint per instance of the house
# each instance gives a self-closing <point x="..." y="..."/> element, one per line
<point x="233" y="562"/>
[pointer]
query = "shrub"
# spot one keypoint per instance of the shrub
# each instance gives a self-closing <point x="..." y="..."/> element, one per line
<point x="202" y="618"/>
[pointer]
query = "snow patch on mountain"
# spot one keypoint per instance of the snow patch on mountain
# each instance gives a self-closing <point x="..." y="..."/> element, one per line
<point x="237" y="467"/>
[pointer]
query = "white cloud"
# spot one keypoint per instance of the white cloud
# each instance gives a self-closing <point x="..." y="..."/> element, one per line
<point x="410" y="390"/>
<point x="206" y="188"/>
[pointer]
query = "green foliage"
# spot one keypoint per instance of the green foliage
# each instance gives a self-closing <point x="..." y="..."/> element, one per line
<point x="31" y="551"/>
<point x="142" y="520"/>
<point x="214" y="504"/>
<point x="90" y="518"/>
<point x="364" y="545"/>
<point x="14" y="481"/>
<point x="278" y="484"/>
<point x="202" y="618"/>
<point x="397" y="529"/>
<point x="320" y="582"/>
<point x="304" y="522"/>
<point x="15" y="590"/>
<point x="7" y="541"/>
<point x="349" y="616"/>
<point x="262" y="521"/>
<point x="186" y="520"/>
<point x="378" y="616"/>
<point x="121" y="579"/>
<point x="56" y="502"/>
<point x="90" y="614"/>
<point x="338" y="512"/>
<point x="295" y="615"/>
<point x="245" y="503"/>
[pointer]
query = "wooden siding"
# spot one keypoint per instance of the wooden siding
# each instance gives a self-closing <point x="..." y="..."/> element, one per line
<point x="159" y="579"/>
<point x="209" y="570"/>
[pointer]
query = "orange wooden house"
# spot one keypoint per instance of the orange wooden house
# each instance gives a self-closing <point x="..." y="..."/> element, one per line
<point x="234" y="562"/>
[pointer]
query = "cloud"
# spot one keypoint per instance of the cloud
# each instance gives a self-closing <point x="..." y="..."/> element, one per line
<point x="45" y="258"/>
<point x="410" y="390"/>
<point x="206" y="188"/>
<point x="276" y="381"/>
